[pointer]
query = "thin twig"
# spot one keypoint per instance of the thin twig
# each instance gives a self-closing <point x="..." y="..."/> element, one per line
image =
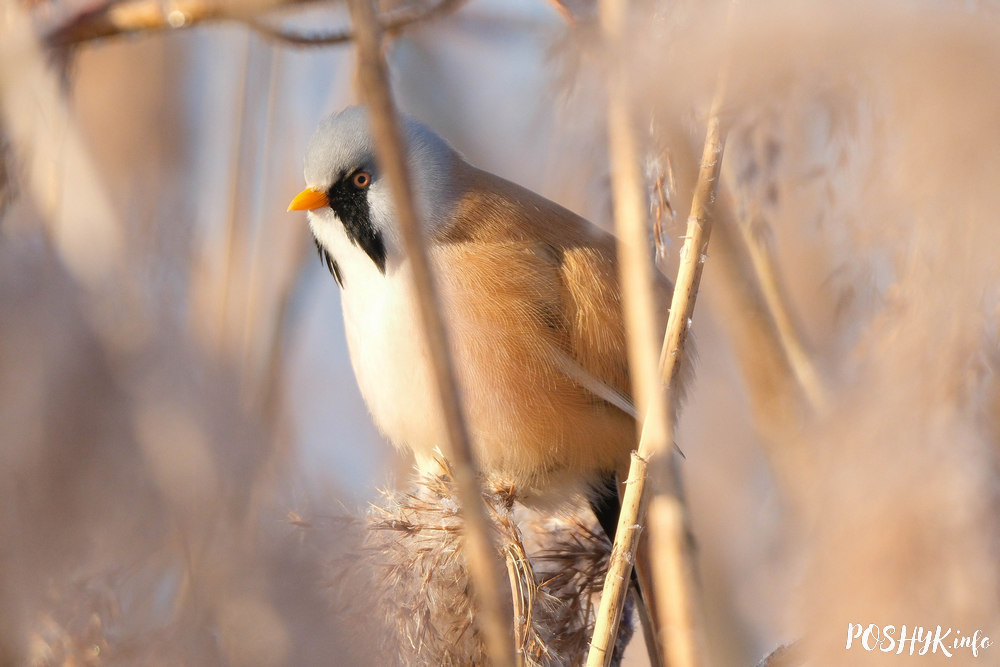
<point x="116" y="19"/>
<point x="481" y="554"/>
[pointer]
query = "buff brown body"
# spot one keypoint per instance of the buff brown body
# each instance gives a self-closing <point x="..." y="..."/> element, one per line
<point x="535" y="315"/>
<point x="530" y="296"/>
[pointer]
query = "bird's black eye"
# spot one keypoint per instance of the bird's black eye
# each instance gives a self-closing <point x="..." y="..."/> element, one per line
<point x="361" y="180"/>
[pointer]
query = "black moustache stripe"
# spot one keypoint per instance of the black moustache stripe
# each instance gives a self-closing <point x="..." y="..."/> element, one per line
<point x="351" y="206"/>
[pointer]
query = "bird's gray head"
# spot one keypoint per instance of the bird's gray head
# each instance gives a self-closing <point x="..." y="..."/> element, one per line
<point x="345" y="185"/>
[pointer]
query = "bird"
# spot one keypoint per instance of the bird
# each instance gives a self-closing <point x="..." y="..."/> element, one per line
<point x="530" y="296"/>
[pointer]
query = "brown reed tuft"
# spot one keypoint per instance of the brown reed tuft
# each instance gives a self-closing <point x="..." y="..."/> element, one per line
<point x="408" y="574"/>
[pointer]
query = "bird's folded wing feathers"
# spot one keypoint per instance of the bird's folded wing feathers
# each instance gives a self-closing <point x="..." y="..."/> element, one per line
<point x="520" y="226"/>
<point x="580" y="375"/>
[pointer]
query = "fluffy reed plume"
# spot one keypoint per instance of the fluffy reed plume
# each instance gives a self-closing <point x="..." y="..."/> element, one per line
<point x="408" y="573"/>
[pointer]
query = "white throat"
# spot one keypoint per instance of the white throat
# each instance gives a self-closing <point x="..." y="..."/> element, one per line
<point x="381" y="324"/>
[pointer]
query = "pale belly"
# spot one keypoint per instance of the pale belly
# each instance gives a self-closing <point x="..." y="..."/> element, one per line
<point x="392" y="366"/>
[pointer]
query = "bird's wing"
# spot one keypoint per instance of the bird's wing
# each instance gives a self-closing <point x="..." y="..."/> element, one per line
<point x="579" y="307"/>
<point x="587" y="380"/>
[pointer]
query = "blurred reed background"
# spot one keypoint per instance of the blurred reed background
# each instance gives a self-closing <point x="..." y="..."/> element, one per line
<point x="181" y="440"/>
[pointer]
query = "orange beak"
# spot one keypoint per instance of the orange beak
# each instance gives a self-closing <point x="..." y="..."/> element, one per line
<point x="307" y="200"/>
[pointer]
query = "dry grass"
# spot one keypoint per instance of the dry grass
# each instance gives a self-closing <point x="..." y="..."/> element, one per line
<point x="148" y="425"/>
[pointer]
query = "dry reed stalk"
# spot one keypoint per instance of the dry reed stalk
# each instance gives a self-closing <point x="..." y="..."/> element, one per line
<point x="672" y="575"/>
<point x="772" y="388"/>
<point x="481" y="554"/>
<point x="636" y="275"/>
<point x="672" y="568"/>
<point x="778" y="402"/>
<point x="256" y="364"/>
<point x="53" y="144"/>
<point x="391" y="24"/>
<point x="778" y="310"/>
<point x="229" y="257"/>
<point x="259" y="249"/>
<point x="143" y="16"/>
